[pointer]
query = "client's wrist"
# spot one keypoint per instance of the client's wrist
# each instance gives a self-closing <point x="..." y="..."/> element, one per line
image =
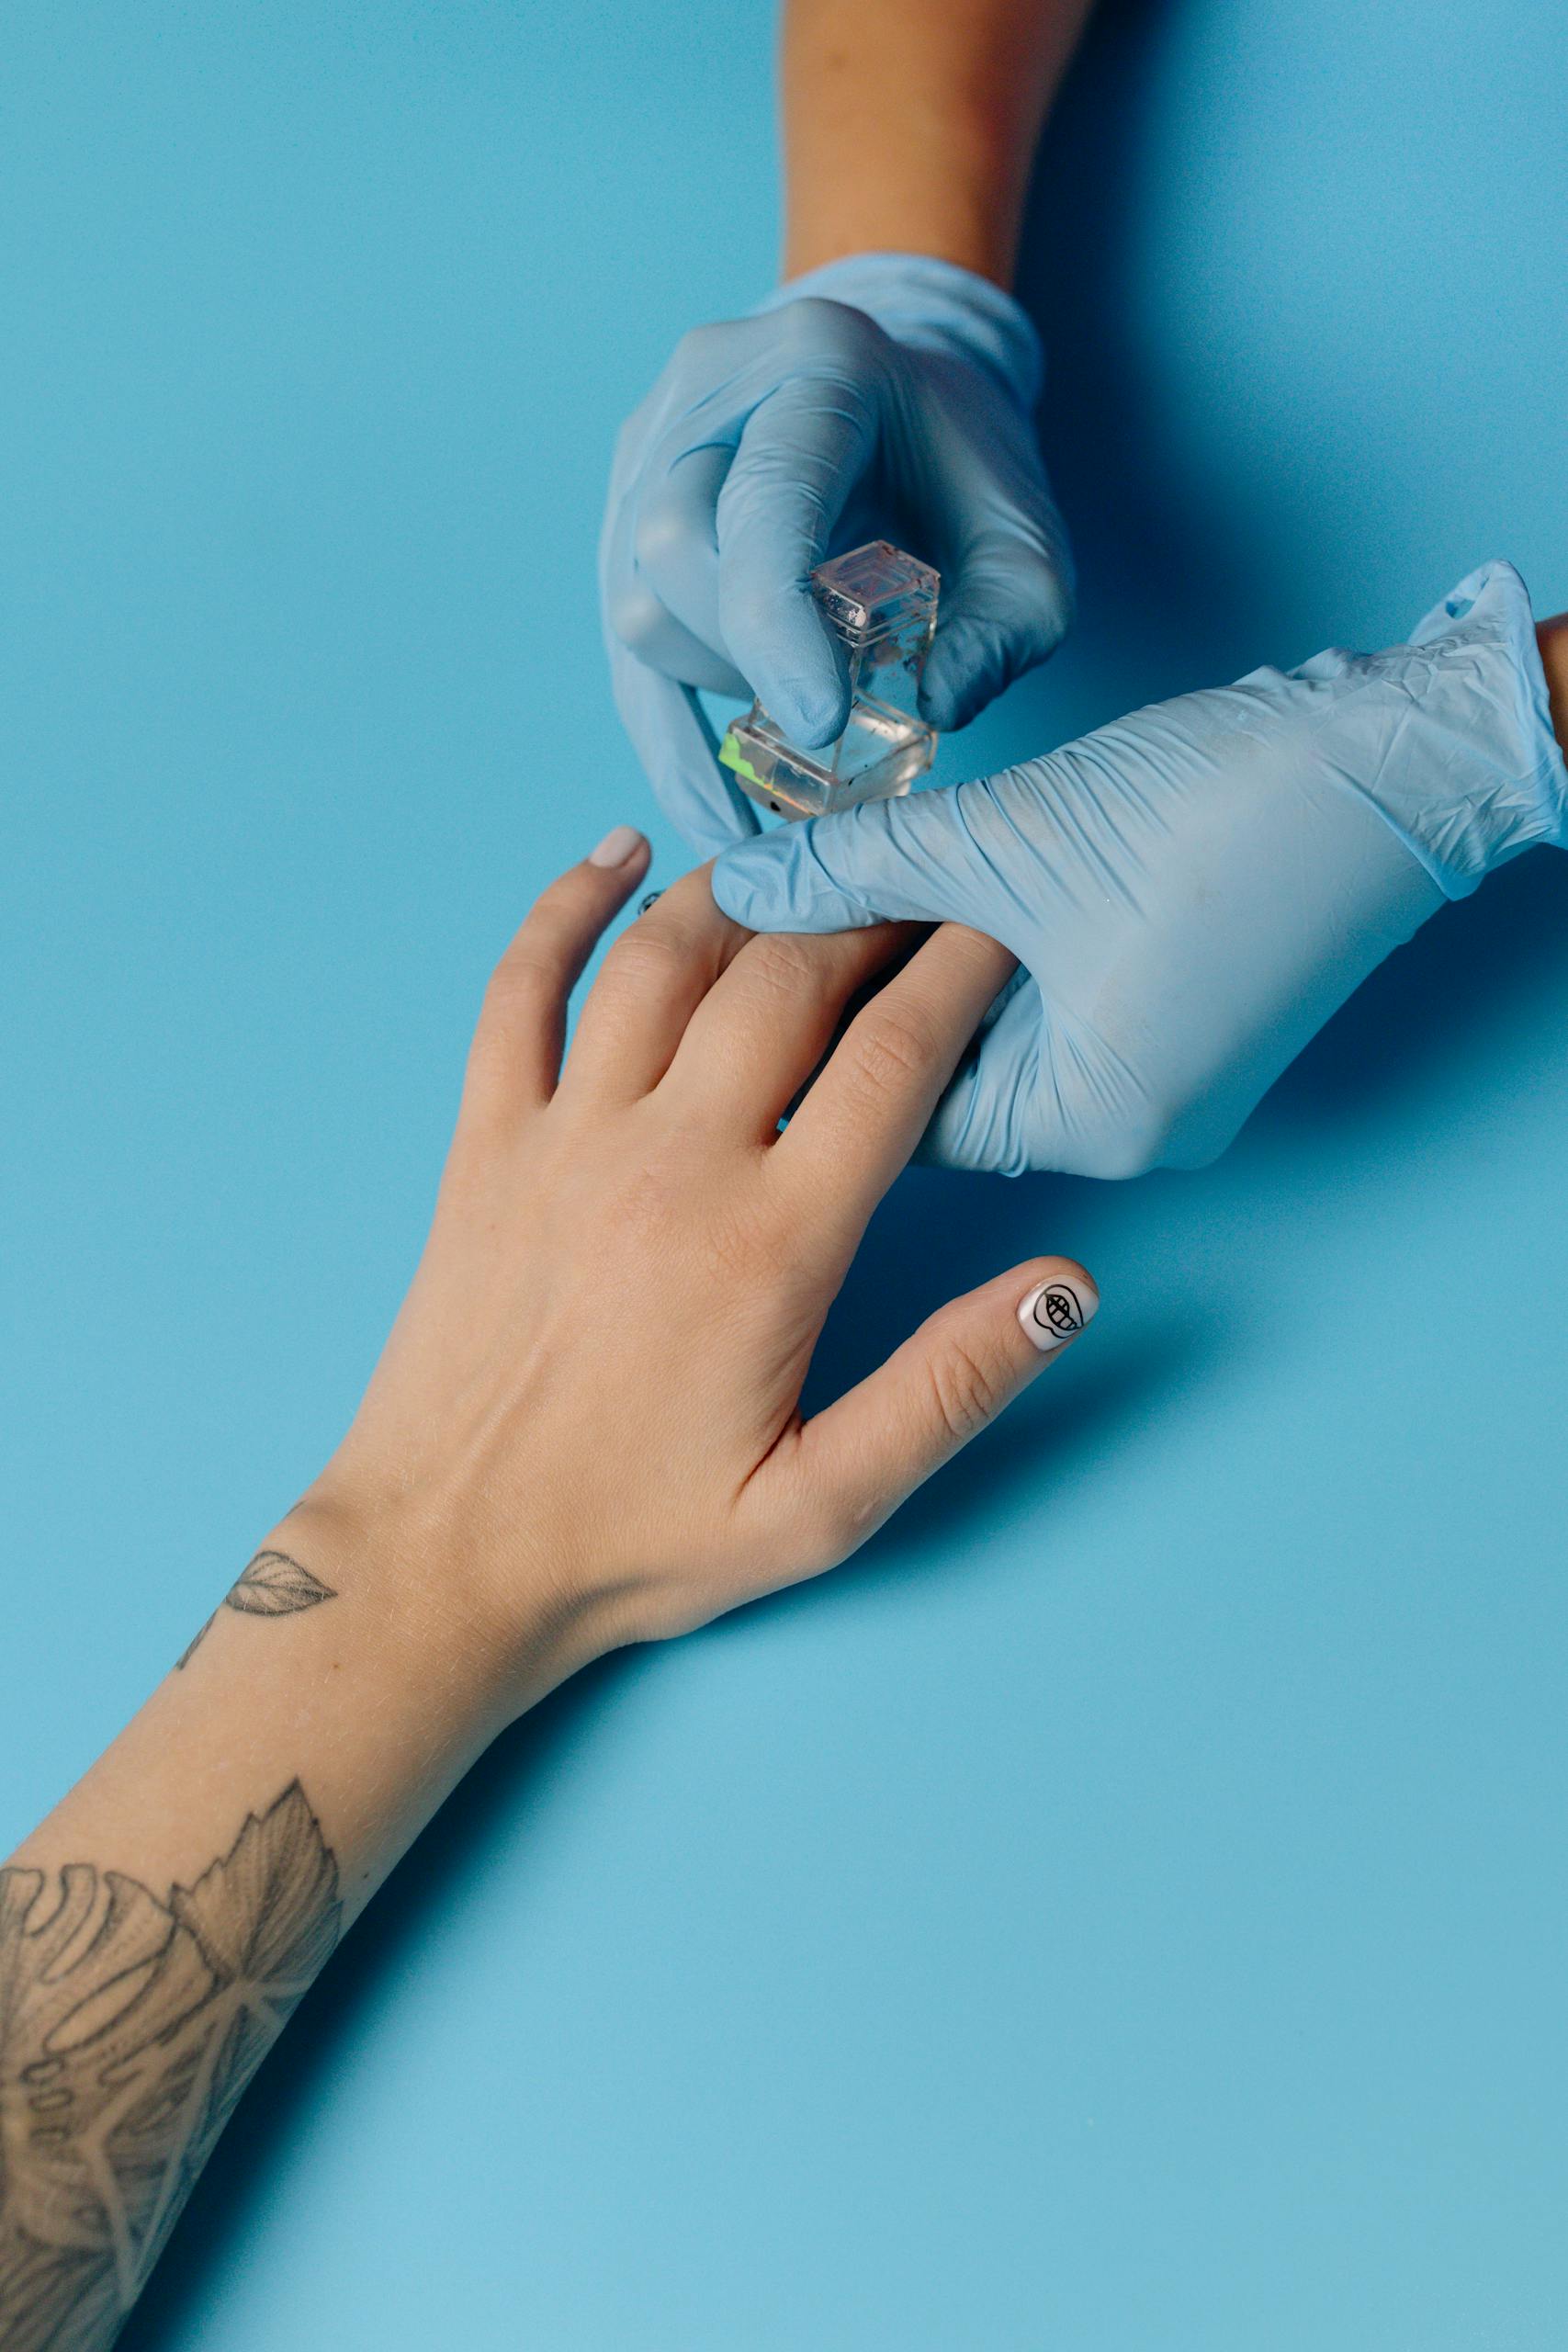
<point x="497" y="1613"/>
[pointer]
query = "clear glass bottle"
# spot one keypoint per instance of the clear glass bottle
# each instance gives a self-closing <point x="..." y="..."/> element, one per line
<point x="882" y="603"/>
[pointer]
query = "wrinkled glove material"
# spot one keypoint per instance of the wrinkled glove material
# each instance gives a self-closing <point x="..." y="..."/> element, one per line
<point x="1194" y="890"/>
<point x="884" y="395"/>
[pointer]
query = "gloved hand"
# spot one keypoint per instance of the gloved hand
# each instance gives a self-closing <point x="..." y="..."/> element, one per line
<point x="1193" y="890"/>
<point x="885" y="395"/>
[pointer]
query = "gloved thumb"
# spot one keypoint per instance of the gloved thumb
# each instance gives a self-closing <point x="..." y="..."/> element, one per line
<point x="920" y="860"/>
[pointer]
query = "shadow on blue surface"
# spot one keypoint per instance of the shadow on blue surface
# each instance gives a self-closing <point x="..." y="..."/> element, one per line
<point x="1192" y="589"/>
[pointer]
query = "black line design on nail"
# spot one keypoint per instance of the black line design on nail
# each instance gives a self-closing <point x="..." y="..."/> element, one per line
<point x="1058" y="1310"/>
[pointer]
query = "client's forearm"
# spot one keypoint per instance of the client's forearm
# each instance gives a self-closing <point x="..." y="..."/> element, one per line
<point x="160" y="1926"/>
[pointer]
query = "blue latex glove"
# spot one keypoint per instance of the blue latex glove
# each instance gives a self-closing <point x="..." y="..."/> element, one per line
<point x="885" y="395"/>
<point x="1193" y="890"/>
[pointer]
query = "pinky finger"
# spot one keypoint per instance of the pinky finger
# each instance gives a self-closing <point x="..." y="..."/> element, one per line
<point x="515" y="1060"/>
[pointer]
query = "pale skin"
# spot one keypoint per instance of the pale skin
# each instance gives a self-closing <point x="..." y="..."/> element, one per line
<point x="584" y="1432"/>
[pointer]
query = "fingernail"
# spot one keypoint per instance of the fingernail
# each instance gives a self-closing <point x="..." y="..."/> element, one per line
<point x="1054" y="1312"/>
<point x="621" y="844"/>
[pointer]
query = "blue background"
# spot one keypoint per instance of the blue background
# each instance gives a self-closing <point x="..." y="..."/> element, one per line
<point x="1129" y="1907"/>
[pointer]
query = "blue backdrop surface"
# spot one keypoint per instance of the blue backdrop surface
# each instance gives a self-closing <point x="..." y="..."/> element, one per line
<point x="1129" y="1907"/>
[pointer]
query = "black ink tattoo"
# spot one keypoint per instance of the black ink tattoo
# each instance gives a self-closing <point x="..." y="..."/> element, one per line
<point x="273" y="1585"/>
<point x="128" y="2028"/>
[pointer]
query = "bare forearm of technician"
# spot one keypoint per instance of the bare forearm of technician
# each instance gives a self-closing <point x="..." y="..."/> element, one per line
<point x="910" y="126"/>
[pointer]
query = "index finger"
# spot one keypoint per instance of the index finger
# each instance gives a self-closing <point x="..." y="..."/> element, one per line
<point x="867" y="1110"/>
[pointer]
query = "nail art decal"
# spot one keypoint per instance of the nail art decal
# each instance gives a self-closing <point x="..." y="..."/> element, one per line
<point x="1057" y="1312"/>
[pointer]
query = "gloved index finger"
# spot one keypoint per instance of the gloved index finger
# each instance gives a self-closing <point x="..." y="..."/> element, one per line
<point x="670" y="735"/>
<point x="804" y="449"/>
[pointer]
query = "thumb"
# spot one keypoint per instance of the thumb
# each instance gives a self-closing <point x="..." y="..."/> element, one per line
<point x="802" y="453"/>
<point x="918" y="860"/>
<point x="854" y="1464"/>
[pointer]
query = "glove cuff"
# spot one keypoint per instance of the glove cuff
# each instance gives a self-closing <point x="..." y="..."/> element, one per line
<point x="1482" y="635"/>
<point x="932" y="305"/>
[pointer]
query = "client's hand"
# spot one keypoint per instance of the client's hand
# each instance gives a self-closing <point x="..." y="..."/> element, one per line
<point x="588" y="1410"/>
<point x="585" y="1432"/>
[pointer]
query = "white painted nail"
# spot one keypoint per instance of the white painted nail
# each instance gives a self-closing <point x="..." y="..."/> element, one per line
<point x="620" y="844"/>
<point x="1054" y="1312"/>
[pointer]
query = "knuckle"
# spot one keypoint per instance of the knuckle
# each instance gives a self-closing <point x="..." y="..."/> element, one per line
<point x="815" y="327"/>
<point x="632" y="611"/>
<point x="893" y="1051"/>
<point x="1058" y="599"/>
<point x="972" y="958"/>
<point x="648" y="959"/>
<point x="1038" y="614"/>
<point x="964" y="1391"/>
<point x="703" y="344"/>
<point x="525" y="974"/>
<point x="780" y="967"/>
<point x="1051" y="616"/>
<point x="663" y="528"/>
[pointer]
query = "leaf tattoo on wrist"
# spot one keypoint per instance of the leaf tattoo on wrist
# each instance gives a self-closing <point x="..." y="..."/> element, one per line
<point x="271" y="1586"/>
<point x="128" y="2028"/>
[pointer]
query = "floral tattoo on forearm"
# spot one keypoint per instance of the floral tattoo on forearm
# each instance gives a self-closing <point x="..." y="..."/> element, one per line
<point x="272" y="1586"/>
<point x="128" y="2028"/>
